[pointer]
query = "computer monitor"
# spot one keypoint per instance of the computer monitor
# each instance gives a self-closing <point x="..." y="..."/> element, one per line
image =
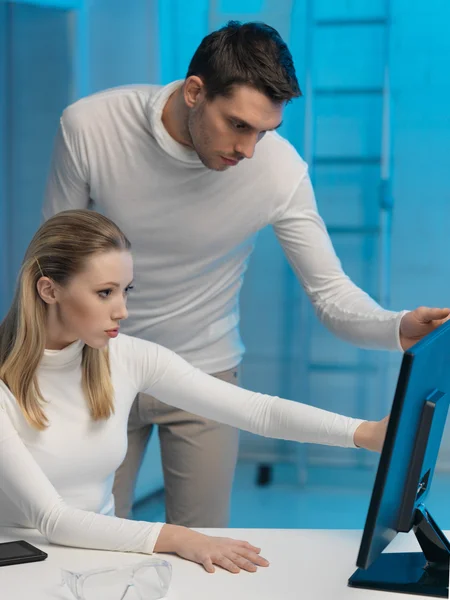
<point x="404" y="477"/>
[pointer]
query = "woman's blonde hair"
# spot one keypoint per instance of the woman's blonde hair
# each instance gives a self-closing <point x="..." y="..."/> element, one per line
<point x="59" y="250"/>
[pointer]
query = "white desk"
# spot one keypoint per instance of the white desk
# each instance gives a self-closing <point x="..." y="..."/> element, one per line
<point x="305" y="565"/>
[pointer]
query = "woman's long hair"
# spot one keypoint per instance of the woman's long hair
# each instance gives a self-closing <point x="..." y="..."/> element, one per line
<point x="59" y="250"/>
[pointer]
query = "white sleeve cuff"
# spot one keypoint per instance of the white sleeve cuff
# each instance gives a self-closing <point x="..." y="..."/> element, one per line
<point x="397" y="330"/>
<point x="354" y="424"/>
<point x="152" y="538"/>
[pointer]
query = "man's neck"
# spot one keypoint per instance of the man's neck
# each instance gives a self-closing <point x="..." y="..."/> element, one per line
<point x="175" y="118"/>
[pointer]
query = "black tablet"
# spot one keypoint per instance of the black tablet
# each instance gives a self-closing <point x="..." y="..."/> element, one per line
<point x="13" y="553"/>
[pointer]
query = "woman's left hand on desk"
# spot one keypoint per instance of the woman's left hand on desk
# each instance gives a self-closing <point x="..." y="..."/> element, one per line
<point x="231" y="555"/>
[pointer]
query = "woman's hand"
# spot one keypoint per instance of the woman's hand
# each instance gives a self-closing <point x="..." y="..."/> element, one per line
<point x="231" y="555"/>
<point x="371" y="434"/>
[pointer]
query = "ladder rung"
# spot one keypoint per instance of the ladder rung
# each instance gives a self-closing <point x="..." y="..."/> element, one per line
<point x="347" y="160"/>
<point x="367" y="230"/>
<point x="343" y="368"/>
<point x="375" y="91"/>
<point x="351" y="22"/>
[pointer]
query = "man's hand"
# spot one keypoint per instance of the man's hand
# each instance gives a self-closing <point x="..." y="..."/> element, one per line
<point x="418" y="323"/>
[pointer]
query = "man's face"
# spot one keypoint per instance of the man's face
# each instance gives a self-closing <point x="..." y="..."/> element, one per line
<point x="224" y="130"/>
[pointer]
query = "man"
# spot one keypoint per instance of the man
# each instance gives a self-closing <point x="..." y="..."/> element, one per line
<point x="191" y="172"/>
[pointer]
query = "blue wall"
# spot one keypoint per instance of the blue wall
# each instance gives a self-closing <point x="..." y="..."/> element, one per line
<point x="420" y="65"/>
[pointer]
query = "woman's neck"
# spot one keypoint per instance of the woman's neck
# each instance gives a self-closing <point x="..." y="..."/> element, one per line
<point x="56" y="338"/>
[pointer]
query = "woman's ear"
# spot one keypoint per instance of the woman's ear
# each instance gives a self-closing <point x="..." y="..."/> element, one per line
<point x="47" y="290"/>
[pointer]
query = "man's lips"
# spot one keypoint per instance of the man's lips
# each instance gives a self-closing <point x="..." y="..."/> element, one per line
<point x="229" y="161"/>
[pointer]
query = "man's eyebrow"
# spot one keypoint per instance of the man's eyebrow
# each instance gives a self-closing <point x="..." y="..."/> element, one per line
<point x="242" y="122"/>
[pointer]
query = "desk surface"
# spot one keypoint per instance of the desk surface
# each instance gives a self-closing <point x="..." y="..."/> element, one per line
<point x="305" y="564"/>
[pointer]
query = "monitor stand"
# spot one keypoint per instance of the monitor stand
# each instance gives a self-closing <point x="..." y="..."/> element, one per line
<point x="424" y="573"/>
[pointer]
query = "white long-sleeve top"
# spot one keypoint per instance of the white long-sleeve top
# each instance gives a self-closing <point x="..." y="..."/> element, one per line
<point x="59" y="480"/>
<point x="194" y="229"/>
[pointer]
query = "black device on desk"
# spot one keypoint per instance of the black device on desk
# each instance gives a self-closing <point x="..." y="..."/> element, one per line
<point x="14" y="553"/>
<point x="404" y="476"/>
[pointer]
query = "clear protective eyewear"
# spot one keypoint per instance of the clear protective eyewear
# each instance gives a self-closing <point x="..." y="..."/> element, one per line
<point x="146" y="580"/>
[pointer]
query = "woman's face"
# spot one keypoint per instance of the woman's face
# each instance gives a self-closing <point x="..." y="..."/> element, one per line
<point x="91" y="306"/>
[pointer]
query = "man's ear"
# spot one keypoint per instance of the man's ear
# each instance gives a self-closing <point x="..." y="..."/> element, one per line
<point x="193" y="91"/>
<point x="47" y="290"/>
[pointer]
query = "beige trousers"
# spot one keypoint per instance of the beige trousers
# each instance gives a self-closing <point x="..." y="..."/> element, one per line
<point x="198" y="456"/>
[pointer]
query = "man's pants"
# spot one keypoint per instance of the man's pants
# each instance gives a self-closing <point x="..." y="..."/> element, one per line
<point x="198" y="456"/>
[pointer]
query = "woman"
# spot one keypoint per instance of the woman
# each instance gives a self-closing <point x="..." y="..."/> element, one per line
<point x="67" y="383"/>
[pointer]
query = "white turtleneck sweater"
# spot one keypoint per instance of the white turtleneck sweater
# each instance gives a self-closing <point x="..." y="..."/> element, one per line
<point x="193" y="229"/>
<point x="59" y="480"/>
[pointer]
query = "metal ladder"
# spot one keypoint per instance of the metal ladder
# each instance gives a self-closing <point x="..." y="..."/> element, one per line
<point x="376" y="233"/>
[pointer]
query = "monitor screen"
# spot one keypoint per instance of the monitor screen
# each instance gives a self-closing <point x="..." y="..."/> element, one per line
<point x="405" y="473"/>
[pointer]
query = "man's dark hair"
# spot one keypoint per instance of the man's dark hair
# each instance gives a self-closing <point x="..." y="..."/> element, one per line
<point x="252" y="54"/>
